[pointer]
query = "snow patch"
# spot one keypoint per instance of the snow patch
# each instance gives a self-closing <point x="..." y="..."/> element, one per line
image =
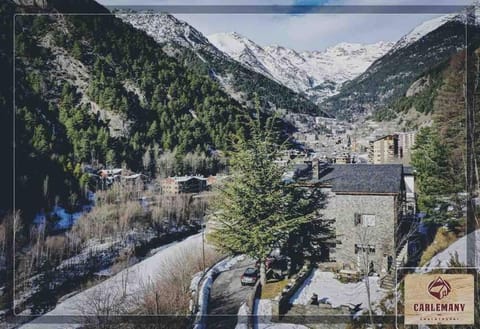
<point x="459" y="247"/>
<point x="336" y="293"/>
<point x="125" y="286"/>
<point x="422" y="30"/>
<point x="242" y="315"/>
<point x="429" y="26"/>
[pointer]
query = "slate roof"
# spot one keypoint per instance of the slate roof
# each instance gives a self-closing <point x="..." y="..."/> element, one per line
<point x="364" y="178"/>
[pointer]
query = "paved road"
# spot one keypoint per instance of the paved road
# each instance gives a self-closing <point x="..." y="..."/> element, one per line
<point x="227" y="295"/>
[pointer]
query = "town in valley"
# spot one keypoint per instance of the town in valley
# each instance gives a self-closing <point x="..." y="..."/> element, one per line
<point x="169" y="173"/>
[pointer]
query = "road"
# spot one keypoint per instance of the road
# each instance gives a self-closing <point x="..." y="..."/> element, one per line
<point x="227" y="295"/>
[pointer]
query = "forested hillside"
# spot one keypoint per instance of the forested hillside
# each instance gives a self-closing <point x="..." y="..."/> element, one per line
<point x="182" y="41"/>
<point x="92" y="89"/>
<point x="440" y="153"/>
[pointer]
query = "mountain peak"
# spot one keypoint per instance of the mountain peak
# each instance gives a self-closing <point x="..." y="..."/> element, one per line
<point x="302" y="71"/>
<point x="233" y="43"/>
<point x="426" y="27"/>
<point x="164" y="28"/>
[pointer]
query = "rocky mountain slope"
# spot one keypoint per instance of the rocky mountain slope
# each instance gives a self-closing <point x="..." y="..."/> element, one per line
<point x="316" y="73"/>
<point x="427" y="46"/>
<point x="241" y="81"/>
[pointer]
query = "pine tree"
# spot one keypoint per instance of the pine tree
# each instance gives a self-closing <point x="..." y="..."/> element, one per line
<point x="255" y="211"/>
<point x="430" y="160"/>
<point x="77" y="50"/>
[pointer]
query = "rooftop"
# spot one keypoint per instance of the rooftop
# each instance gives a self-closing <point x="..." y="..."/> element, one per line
<point x="186" y="178"/>
<point x="364" y="178"/>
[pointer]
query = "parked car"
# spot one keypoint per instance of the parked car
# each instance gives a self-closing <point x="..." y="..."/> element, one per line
<point x="250" y="276"/>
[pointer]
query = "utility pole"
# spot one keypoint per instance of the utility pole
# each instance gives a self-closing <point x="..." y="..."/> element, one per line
<point x="203" y="242"/>
<point x="470" y="177"/>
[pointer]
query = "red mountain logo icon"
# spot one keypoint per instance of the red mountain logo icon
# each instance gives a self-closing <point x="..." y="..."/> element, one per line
<point x="439" y="288"/>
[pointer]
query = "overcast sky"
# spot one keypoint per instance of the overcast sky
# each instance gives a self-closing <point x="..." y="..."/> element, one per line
<point x="306" y="31"/>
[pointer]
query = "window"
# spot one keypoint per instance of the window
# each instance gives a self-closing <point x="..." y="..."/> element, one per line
<point x="365" y="220"/>
<point x="370" y="248"/>
<point x="358" y="219"/>
<point x="368" y="220"/>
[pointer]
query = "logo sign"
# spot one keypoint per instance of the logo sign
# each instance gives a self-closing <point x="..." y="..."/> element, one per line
<point x="439" y="288"/>
<point x="442" y="299"/>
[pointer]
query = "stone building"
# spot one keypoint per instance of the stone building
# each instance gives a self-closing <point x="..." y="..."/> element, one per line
<point x="366" y="203"/>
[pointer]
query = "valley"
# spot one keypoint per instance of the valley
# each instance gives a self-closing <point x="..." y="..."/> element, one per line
<point x="155" y="165"/>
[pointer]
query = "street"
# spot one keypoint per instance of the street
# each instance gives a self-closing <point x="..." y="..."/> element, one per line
<point x="227" y="295"/>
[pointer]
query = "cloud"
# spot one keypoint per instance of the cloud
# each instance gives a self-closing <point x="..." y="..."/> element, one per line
<point x="311" y="31"/>
<point x="305" y="31"/>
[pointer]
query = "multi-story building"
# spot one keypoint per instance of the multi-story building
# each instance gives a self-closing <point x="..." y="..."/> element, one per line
<point x="344" y="158"/>
<point x="384" y="150"/>
<point x="394" y="148"/>
<point x="406" y="140"/>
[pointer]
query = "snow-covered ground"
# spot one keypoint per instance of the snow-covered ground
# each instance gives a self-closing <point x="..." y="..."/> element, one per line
<point x="428" y="26"/>
<point x="65" y="219"/>
<point x="422" y="30"/>
<point x="126" y="285"/>
<point x="242" y="315"/>
<point x="336" y="293"/>
<point x="459" y="247"/>
<point x="263" y="312"/>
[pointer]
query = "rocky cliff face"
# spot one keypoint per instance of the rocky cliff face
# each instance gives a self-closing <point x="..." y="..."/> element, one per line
<point x="418" y="86"/>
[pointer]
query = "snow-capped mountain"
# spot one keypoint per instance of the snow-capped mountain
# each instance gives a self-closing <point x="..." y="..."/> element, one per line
<point x="418" y="52"/>
<point x="165" y="28"/>
<point x="421" y="30"/>
<point x="308" y="71"/>
<point x="316" y="73"/>
<point x="191" y="47"/>
<point x="429" y="26"/>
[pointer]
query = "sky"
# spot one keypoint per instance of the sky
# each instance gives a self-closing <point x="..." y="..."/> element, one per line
<point x="304" y="31"/>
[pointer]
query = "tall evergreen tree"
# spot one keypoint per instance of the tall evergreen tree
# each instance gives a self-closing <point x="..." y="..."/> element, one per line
<point x="430" y="159"/>
<point x="255" y="211"/>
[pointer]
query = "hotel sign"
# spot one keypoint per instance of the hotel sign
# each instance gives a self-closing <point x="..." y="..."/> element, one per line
<point x="444" y="299"/>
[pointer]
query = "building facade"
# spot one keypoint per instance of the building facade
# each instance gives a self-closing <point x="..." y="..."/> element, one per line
<point x="365" y="202"/>
<point x="394" y="148"/>
<point x="184" y="184"/>
<point x="384" y="150"/>
<point x="406" y="140"/>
